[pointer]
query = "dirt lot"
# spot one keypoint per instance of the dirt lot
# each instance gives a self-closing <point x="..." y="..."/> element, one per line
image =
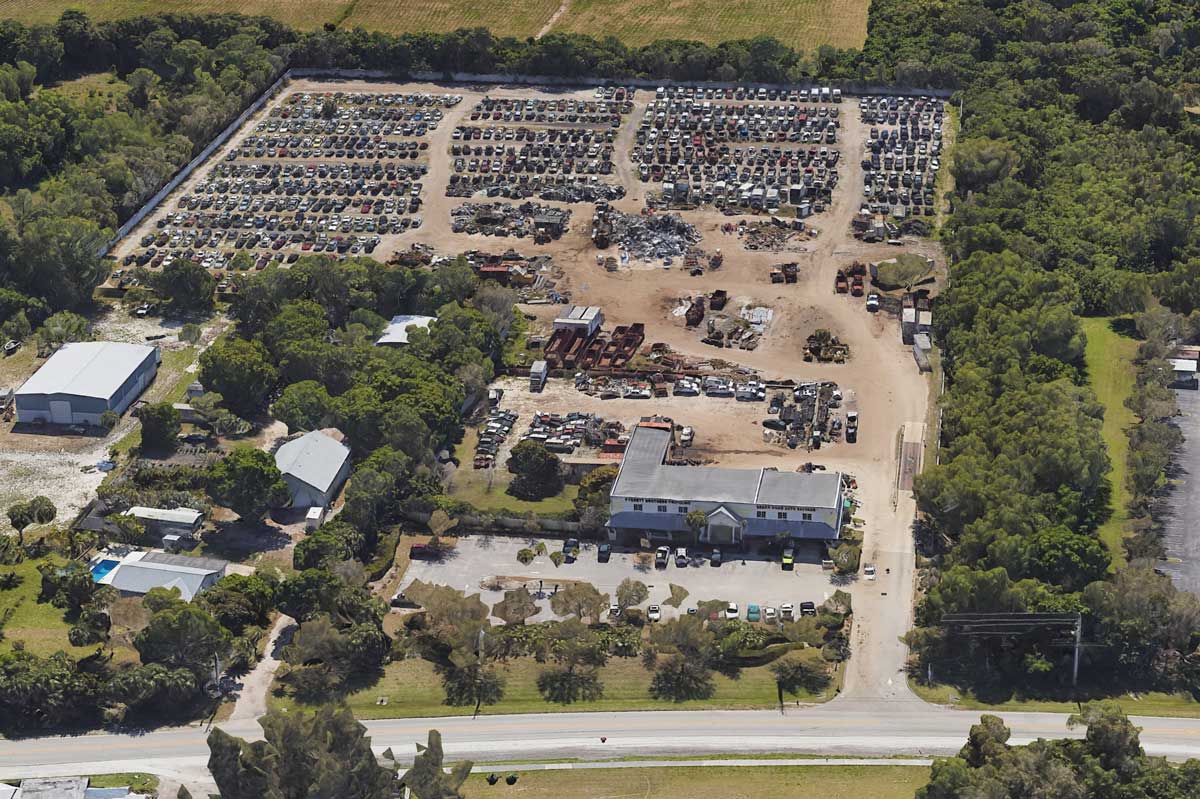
<point x="880" y="371"/>
<point x="62" y="466"/>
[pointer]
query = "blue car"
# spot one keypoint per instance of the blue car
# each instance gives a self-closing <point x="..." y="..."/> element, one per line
<point x="753" y="613"/>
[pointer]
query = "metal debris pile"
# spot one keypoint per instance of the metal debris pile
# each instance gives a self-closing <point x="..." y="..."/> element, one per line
<point x="773" y="236"/>
<point x="654" y="236"/>
<point x="504" y="219"/>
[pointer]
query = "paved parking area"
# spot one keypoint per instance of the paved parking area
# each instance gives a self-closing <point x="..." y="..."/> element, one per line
<point x="1181" y="508"/>
<point x="477" y="560"/>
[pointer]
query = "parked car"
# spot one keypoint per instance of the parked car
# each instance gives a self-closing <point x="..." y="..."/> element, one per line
<point x="731" y="611"/>
<point x="715" y="558"/>
<point x="808" y="608"/>
<point x="769" y="615"/>
<point x="571" y="549"/>
<point x="654" y="613"/>
<point x="787" y="611"/>
<point x="681" y="556"/>
<point x="869" y="571"/>
<point x="603" y="553"/>
<point x="662" y="556"/>
<point x="614" y="611"/>
<point x="872" y="302"/>
<point x="788" y="561"/>
<point x="753" y="613"/>
<point x="399" y="600"/>
<point x="422" y="552"/>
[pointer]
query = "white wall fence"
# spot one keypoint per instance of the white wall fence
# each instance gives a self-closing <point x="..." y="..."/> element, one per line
<point x="191" y="166"/>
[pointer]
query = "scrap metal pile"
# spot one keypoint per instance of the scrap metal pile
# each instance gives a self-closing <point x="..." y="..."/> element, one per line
<point x="504" y="219"/>
<point x="560" y="188"/>
<point x="805" y="418"/>
<point x="777" y="235"/>
<point x="653" y="236"/>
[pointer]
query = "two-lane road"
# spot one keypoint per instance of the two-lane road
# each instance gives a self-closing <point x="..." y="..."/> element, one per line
<point x="842" y="727"/>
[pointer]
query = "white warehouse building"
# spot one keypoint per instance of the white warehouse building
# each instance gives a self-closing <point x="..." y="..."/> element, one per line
<point x="84" y="379"/>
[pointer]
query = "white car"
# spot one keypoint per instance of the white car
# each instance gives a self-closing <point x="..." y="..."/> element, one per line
<point x="787" y="611"/>
<point x="614" y="611"/>
<point x="732" y="612"/>
<point x="869" y="571"/>
<point x="654" y="613"/>
<point x="687" y="436"/>
<point x="769" y="615"/>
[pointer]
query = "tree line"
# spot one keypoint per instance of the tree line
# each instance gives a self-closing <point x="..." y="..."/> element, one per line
<point x="1075" y="192"/>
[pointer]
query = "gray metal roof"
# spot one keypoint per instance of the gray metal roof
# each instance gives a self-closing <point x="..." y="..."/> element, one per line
<point x="175" y="515"/>
<point x="166" y="558"/>
<point x="140" y="576"/>
<point x="397" y="329"/>
<point x="816" y="490"/>
<point x="643" y="474"/>
<point x="87" y="369"/>
<point x="314" y="458"/>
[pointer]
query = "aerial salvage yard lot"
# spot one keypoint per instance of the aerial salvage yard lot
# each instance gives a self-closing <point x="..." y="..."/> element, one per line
<point x="732" y="250"/>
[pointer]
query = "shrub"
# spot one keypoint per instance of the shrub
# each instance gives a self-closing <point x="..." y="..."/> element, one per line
<point x="525" y="556"/>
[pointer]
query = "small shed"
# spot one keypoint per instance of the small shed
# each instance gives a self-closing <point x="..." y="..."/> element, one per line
<point x="584" y="319"/>
<point x="163" y="521"/>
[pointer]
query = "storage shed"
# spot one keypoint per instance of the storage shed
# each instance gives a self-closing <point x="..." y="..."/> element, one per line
<point x="163" y="521"/>
<point x="583" y="319"/>
<point x="84" y="379"/>
<point x="314" y="466"/>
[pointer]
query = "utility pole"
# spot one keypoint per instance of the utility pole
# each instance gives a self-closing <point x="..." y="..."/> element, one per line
<point x="1078" y="638"/>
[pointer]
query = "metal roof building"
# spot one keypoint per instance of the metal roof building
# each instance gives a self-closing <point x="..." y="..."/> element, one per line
<point x="396" y="333"/>
<point x="81" y="381"/>
<point x="161" y="520"/>
<point x="314" y="466"/>
<point x="586" y="319"/>
<point x="652" y="496"/>
<point x="139" y="572"/>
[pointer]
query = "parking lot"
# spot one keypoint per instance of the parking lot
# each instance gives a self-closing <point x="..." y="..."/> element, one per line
<point x="477" y="561"/>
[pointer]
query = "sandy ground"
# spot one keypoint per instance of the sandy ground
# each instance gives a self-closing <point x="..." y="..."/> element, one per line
<point x="61" y="466"/>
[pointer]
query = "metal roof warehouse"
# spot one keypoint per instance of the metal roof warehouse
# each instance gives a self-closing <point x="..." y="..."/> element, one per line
<point x="82" y="380"/>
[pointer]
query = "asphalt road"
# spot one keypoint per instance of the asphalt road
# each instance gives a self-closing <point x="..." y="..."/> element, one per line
<point x="861" y="728"/>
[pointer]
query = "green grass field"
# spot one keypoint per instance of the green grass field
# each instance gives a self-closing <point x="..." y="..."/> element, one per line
<point x="38" y="625"/>
<point x="413" y="688"/>
<point x="805" y="24"/>
<point x="304" y="14"/>
<point x="758" y="782"/>
<point x="1109" y="358"/>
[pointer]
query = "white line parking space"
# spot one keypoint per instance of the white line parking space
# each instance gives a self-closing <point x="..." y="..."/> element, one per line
<point x="479" y="563"/>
